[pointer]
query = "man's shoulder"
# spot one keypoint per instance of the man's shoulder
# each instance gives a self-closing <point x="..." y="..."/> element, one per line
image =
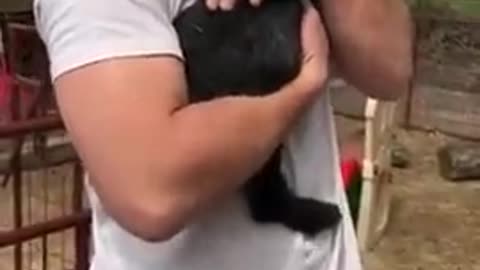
<point x="169" y="7"/>
<point x="79" y="32"/>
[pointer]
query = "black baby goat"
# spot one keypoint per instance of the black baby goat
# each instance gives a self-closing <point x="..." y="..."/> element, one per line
<point x="253" y="51"/>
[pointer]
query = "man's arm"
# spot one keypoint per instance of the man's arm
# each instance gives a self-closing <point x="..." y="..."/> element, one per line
<point x="156" y="161"/>
<point x="372" y="43"/>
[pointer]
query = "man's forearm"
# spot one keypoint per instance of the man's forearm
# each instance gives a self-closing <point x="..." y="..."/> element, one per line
<point x="214" y="147"/>
<point x="372" y="44"/>
<point x="223" y="142"/>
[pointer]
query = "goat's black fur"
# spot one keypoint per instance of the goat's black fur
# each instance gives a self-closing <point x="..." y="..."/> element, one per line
<point x="252" y="51"/>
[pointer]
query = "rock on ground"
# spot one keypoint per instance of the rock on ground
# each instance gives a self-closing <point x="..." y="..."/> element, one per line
<point x="435" y="223"/>
<point x="460" y="161"/>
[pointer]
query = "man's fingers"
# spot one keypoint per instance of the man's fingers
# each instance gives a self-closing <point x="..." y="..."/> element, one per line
<point x="256" y="2"/>
<point x="222" y="4"/>
<point x="227" y="4"/>
<point x="212" y="4"/>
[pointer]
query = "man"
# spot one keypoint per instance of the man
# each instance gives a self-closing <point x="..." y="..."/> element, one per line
<point x="164" y="174"/>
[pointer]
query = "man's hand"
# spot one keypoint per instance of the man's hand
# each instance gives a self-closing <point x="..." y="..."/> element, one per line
<point x="372" y="44"/>
<point x="227" y="4"/>
<point x="316" y="50"/>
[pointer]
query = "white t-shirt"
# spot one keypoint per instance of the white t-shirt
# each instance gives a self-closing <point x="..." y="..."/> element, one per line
<point x="78" y="32"/>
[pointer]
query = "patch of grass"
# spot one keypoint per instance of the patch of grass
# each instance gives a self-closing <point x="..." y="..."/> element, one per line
<point x="460" y="7"/>
<point x="466" y="7"/>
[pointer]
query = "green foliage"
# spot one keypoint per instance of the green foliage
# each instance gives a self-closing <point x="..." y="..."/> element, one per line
<point x="430" y="6"/>
<point x="446" y="7"/>
<point x="467" y="7"/>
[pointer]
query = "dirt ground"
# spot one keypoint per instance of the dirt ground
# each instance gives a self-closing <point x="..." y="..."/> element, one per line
<point x="435" y="223"/>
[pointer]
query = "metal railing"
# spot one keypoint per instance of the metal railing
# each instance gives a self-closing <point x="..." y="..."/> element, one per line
<point x="42" y="173"/>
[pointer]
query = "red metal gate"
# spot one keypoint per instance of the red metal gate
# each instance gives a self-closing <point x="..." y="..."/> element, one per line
<point x="43" y="222"/>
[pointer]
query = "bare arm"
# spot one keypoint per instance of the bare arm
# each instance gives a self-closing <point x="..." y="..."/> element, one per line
<point x="155" y="161"/>
<point x="152" y="163"/>
<point x="372" y="44"/>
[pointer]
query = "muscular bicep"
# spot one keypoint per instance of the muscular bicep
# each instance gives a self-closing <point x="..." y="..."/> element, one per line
<point x="117" y="113"/>
<point x="120" y="99"/>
